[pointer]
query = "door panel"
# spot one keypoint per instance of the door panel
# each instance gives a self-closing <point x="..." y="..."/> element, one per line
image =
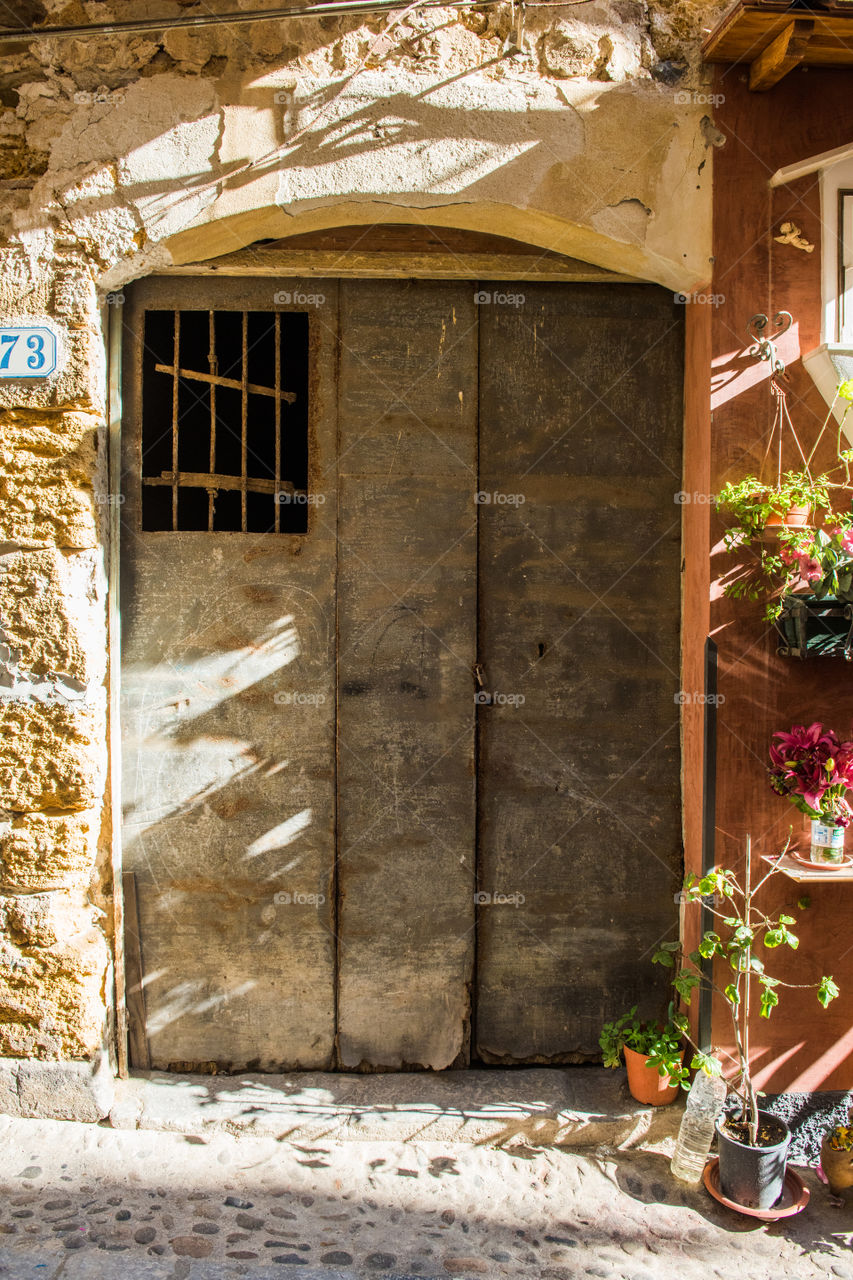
<point x="406" y="618"/>
<point x="312" y="793"/>
<point x="228" y="709"/>
<point x="580" y="395"/>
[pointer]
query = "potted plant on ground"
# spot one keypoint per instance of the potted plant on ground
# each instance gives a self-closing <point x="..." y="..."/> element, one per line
<point x="836" y="1156"/>
<point x="813" y="769"/>
<point x="653" y="1056"/>
<point x="753" y="1143"/>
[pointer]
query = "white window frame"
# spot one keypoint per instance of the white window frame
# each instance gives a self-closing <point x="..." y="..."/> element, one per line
<point x="832" y="361"/>
<point x="836" y="193"/>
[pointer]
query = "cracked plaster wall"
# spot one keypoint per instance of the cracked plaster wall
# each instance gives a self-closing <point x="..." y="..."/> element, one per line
<point x="119" y="155"/>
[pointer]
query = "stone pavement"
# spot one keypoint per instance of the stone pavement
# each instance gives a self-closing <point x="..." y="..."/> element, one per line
<point x="91" y="1202"/>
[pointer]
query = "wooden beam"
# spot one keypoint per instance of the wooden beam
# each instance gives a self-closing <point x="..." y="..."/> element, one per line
<point x="115" y="330"/>
<point x="747" y="29"/>
<point x="138" y="1050"/>
<point x="781" y="55"/>
<point x="305" y="264"/>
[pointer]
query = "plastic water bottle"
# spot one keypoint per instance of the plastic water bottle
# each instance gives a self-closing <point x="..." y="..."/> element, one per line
<point x="704" y="1103"/>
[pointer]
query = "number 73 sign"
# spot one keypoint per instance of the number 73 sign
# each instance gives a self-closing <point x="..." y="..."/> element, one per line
<point x="27" y="352"/>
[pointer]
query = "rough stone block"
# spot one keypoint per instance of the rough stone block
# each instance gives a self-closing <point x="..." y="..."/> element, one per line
<point x="48" y="469"/>
<point x="38" y="852"/>
<point x="8" y="1087"/>
<point x="56" y="1090"/>
<point x="79" y="380"/>
<point x="51" y="755"/>
<point x="42" y="919"/>
<point x="75" y="298"/>
<point x="53" y="621"/>
<point x="52" y="997"/>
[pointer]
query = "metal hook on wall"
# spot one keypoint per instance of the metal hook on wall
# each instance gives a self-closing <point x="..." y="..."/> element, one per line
<point x="764" y="344"/>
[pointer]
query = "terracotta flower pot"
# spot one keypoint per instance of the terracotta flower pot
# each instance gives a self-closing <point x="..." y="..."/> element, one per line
<point x="837" y="1165"/>
<point x="794" y="518"/>
<point x="645" y="1083"/>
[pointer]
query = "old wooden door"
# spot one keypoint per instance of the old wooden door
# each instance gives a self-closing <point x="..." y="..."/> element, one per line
<point x="391" y="781"/>
<point x="579" y="792"/>
<point x="228" y="669"/>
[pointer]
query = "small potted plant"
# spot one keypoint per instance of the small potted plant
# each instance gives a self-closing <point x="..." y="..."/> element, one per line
<point x="752" y="504"/>
<point x="800" y="564"/>
<point x="751" y="507"/>
<point x="653" y="1053"/>
<point x="813" y="769"/>
<point x="753" y="1143"/>
<point x="836" y="1156"/>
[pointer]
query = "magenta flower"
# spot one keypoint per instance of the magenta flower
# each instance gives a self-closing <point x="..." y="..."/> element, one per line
<point x="847" y="542"/>
<point x="814" y="770"/>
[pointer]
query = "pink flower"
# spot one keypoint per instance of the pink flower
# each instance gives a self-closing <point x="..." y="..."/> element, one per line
<point x="788" y="556"/>
<point x="835" y="531"/>
<point x="810" y="568"/>
<point x="813" y="769"/>
<point x="847" y="542"/>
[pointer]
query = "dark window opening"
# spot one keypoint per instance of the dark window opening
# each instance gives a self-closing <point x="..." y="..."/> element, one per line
<point x="225" y="421"/>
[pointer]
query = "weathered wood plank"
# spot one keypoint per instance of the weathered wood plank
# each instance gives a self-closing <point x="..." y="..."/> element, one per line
<point x="580" y="848"/>
<point x="746" y="30"/>
<point x="228" y="717"/>
<point x="406" y="608"/>
<point x="136" y="1019"/>
<point x="354" y="264"/>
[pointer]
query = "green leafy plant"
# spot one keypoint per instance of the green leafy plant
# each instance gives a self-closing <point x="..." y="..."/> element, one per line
<point x="748" y="505"/>
<point x="819" y="556"/>
<point x="737" y="953"/>
<point x="662" y="1045"/>
<point x="751" y="502"/>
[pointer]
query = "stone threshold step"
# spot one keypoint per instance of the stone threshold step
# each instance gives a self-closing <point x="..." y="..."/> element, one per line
<point x="576" y="1107"/>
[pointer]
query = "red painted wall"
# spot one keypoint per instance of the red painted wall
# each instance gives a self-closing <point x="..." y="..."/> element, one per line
<point x="801" y="1047"/>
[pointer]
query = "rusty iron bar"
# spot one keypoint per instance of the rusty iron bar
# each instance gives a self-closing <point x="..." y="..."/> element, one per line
<point x="244" y="414"/>
<point x="212" y="362"/>
<point x="204" y="480"/>
<point x="277" y="514"/>
<point x="175" y="385"/>
<point x="235" y="384"/>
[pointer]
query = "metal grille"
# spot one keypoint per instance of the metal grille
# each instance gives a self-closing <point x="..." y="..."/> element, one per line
<point x="224" y="442"/>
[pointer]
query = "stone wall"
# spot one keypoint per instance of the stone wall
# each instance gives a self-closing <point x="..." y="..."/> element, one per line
<point x="54" y="913"/>
<point x="121" y="155"/>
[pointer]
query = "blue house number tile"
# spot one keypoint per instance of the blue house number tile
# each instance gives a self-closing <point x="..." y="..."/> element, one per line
<point x="27" y="352"/>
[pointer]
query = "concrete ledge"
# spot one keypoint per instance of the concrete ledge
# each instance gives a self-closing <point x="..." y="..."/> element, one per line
<point x="569" y="1108"/>
<point x="56" y="1090"/>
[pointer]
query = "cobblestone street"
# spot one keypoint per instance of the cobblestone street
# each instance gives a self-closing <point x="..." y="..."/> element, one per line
<point x="85" y="1202"/>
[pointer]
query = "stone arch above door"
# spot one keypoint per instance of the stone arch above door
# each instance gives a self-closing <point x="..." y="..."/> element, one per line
<point x="587" y="254"/>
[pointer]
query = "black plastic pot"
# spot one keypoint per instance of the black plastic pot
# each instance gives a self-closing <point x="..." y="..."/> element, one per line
<point x="753" y="1176"/>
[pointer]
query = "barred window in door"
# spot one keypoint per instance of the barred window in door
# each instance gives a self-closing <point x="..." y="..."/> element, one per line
<point x="225" y="421"/>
